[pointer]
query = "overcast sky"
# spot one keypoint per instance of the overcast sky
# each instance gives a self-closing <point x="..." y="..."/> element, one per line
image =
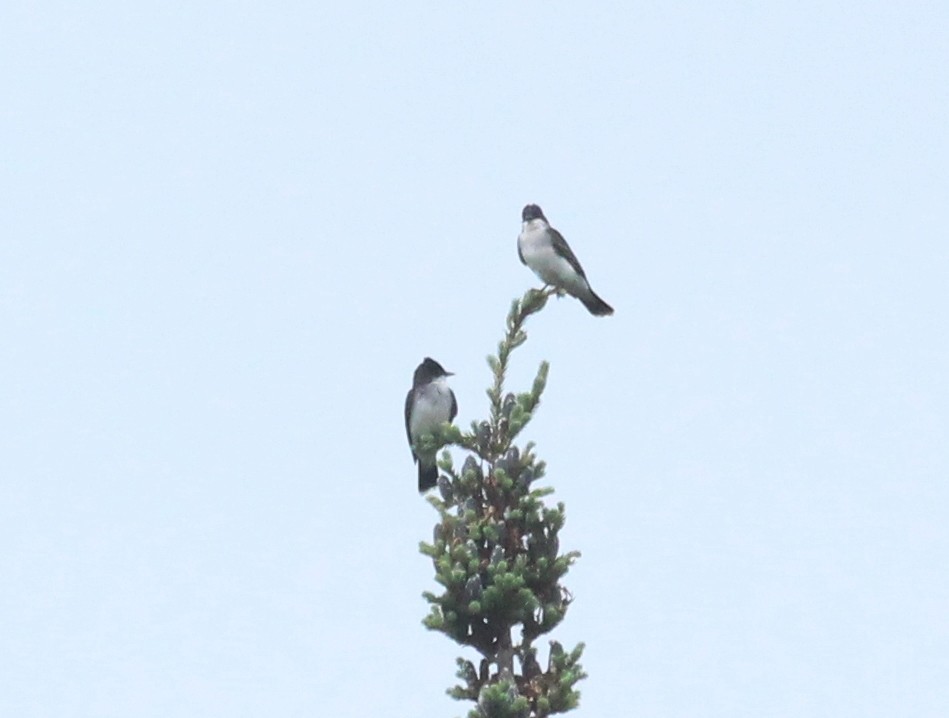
<point x="229" y="231"/>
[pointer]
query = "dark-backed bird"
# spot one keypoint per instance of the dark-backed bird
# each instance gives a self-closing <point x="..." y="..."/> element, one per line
<point x="546" y="252"/>
<point x="429" y="404"/>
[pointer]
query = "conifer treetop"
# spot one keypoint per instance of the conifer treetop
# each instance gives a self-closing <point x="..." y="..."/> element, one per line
<point x="496" y="552"/>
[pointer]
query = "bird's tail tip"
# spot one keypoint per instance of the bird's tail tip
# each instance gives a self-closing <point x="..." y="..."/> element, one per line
<point x="427" y="477"/>
<point x="596" y="306"/>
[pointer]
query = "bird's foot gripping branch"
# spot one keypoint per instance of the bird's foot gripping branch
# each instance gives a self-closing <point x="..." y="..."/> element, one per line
<point x="497" y="555"/>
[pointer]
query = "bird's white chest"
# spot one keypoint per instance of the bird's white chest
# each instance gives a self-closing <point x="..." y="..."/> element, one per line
<point x="432" y="408"/>
<point x="534" y="244"/>
<point x="538" y="252"/>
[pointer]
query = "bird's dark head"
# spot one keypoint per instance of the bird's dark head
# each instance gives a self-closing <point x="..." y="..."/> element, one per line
<point x="429" y="370"/>
<point x="532" y="211"/>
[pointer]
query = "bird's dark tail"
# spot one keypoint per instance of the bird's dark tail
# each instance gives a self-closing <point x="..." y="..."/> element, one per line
<point x="597" y="306"/>
<point x="427" y="477"/>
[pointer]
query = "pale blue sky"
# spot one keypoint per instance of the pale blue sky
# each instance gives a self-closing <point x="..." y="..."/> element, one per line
<point x="230" y="232"/>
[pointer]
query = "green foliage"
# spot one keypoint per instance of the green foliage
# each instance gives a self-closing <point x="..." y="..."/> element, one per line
<point x="496" y="552"/>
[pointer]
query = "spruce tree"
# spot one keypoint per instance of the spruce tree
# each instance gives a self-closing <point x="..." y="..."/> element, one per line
<point x="496" y="553"/>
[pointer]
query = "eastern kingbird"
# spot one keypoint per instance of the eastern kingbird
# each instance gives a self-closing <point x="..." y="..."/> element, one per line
<point x="546" y="252"/>
<point x="428" y="405"/>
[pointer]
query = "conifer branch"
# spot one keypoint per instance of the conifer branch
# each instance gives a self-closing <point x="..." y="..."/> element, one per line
<point x="496" y="552"/>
